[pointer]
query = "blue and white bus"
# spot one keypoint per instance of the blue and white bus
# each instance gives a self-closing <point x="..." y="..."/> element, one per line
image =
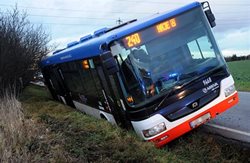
<point x="162" y="76"/>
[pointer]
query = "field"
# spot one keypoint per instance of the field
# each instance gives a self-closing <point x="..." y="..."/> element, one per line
<point x="70" y="136"/>
<point x="241" y="74"/>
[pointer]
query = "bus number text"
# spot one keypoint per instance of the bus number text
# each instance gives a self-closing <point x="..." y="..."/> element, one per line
<point x="133" y="40"/>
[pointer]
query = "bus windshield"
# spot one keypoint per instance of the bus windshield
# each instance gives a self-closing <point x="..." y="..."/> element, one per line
<point x="175" y="51"/>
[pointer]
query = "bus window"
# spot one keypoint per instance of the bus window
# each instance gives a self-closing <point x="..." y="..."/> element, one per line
<point x="89" y="82"/>
<point x="73" y="81"/>
<point x="92" y="84"/>
<point x="103" y="80"/>
<point x="72" y="78"/>
<point x="201" y="48"/>
<point x="97" y="83"/>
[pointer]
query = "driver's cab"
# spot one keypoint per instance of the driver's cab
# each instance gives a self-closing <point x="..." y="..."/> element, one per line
<point x="136" y="71"/>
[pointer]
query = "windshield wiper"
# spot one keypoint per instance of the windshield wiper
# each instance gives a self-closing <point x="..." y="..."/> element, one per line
<point x="178" y="85"/>
<point x="166" y="96"/>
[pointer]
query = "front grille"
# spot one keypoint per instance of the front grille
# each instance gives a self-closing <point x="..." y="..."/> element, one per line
<point x="188" y="109"/>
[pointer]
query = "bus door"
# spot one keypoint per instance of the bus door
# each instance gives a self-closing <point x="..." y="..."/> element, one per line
<point x="120" y="106"/>
<point x="51" y="83"/>
<point x="116" y="102"/>
<point x="63" y="90"/>
<point x="109" y="101"/>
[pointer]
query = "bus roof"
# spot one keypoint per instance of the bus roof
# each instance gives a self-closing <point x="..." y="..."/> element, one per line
<point x="90" y="47"/>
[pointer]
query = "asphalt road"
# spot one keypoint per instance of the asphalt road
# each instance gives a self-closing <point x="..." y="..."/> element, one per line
<point x="235" y="122"/>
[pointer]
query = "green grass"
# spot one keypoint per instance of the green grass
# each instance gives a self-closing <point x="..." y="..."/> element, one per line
<point x="241" y="74"/>
<point x="81" y="138"/>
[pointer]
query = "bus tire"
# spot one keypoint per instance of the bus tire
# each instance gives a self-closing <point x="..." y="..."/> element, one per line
<point x="103" y="117"/>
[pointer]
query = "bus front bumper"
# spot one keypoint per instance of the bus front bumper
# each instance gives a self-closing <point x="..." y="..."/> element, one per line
<point x="184" y="127"/>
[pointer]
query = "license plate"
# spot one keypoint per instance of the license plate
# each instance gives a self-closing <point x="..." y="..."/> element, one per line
<point x="200" y="120"/>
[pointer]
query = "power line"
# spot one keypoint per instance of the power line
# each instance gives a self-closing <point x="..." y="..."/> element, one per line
<point x="68" y="24"/>
<point x="150" y="2"/>
<point x="179" y="3"/>
<point x="135" y="1"/>
<point x="219" y="21"/>
<point x="233" y="19"/>
<point x="95" y="18"/>
<point x="99" y="18"/>
<point x="70" y="17"/>
<point x="73" y="10"/>
<point x="238" y="12"/>
<point x="119" y="21"/>
<point x="230" y="23"/>
<point x="110" y="25"/>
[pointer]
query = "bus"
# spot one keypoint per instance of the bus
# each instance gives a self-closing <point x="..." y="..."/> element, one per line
<point x="161" y="76"/>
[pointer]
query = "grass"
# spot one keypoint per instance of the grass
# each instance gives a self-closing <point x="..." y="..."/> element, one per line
<point x="75" y="137"/>
<point x="11" y="129"/>
<point x="241" y="74"/>
<point x="84" y="138"/>
<point x="17" y="133"/>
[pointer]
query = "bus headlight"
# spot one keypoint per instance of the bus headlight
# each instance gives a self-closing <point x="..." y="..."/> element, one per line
<point x="154" y="130"/>
<point x="229" y="90"/>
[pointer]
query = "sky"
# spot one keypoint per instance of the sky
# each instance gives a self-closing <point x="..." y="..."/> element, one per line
<point x="67" y="21"/>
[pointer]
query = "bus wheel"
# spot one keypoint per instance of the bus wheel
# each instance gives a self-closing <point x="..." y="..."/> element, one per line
<point x="103" y="117"/>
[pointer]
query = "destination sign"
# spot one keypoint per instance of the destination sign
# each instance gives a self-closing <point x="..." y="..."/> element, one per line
<point x="136" y="39"/>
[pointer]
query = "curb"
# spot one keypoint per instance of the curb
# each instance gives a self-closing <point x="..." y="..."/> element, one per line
<point x="228" y="132"/>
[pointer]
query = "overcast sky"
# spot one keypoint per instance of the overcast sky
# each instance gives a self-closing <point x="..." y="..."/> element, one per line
<point x="67" y="21"/>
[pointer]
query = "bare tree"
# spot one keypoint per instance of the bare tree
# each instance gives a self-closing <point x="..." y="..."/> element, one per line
<point x="22" y="45"/>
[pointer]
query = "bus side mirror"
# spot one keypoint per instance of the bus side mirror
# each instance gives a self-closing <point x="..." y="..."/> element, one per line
<point x="109" y="63"/>
<point x="208" y="12"/>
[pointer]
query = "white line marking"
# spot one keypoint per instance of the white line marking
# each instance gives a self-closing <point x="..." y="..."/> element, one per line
<point x="228" y="129"/>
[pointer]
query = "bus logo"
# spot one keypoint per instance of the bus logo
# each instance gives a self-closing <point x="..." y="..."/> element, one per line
<point x="194" y="105"/>
<point x="207" y="81"/>
<point x="211" y="87"/>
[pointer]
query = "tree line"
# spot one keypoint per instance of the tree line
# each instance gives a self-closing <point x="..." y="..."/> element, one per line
<point x="22" y="45"/>
<point x="237" y="58"/>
